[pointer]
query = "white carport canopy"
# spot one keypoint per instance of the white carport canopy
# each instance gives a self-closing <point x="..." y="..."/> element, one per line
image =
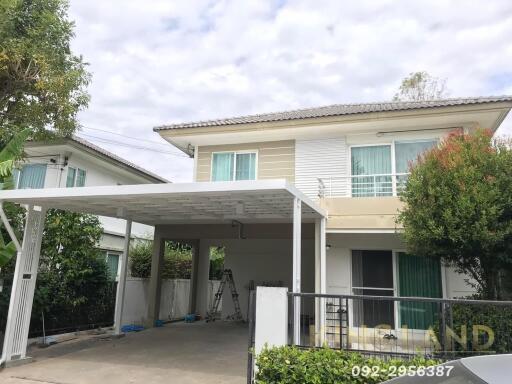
<point x="213" y="202"/>
<point x="262" y="201"/>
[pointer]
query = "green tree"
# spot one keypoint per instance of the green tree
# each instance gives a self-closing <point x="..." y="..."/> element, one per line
<point x="42" y="84"/>
<point x="71" y="265"/>
<point x="419" y="86"/>
<point x="458" y="207"/>
<point x="8" y="157"/>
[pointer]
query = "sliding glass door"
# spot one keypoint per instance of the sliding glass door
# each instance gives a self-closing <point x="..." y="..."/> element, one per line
<point x="372" y="275"/>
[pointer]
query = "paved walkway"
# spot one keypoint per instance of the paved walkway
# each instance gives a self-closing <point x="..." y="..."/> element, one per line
<point x="176" y="353"/>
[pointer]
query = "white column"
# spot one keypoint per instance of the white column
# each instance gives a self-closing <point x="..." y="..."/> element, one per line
<point x="320" y="279"/>
<point x="297" y="238"/>
<point x="121" y="284"/>
<point x="155" y="279"/>
<point x="323" y="277"/>
<point x="23" y="286"/>
<point x="202" y="276"/>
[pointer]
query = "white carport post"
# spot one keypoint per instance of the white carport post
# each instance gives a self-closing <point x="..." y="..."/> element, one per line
<point x="23" y="284"/>
<point x="297" y="239"/>
<point x="121" y="284"/>
<point x="320" y="279"/>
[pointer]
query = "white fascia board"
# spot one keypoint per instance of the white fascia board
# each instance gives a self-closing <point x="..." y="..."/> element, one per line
<point x="146" y="190"/>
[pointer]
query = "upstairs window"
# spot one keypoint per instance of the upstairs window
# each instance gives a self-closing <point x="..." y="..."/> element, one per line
<point x="371" y="171"/>
<point x="230" y="166"/>
<point x="76" y="177"/>
<point x="382" y="170"/>
<point x="30" y="176"/>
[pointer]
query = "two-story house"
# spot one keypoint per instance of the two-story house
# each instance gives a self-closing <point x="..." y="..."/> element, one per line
<point x="304" y="199"/>
<point x="75" y="162"/>
<point x="352" y="160"/>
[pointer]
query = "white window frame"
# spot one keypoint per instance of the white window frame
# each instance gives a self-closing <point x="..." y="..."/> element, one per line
<point x="394" y="261"/>
<point x="76" y="175"/>
<point x="255" y="151"/>
<point x="118" y="254"/>
<point x="392" y="144"/>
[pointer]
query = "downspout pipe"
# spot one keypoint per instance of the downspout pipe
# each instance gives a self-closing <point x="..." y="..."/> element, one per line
<point x="14" y="239"/>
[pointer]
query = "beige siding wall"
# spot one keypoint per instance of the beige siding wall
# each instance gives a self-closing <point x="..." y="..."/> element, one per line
<point x="362" y="212"/>
<point x="276" y="159"/>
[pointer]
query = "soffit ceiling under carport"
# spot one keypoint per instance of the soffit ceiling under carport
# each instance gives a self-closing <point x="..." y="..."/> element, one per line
<point x="261" y="201"/>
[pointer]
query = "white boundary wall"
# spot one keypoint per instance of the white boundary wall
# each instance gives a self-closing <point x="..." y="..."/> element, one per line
<point x="271" y="318"/>
<point x="174" y="299"/>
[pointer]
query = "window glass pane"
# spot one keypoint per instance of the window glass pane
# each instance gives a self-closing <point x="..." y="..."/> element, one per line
<point x="375" y="161"/>
<point x="222" y="166"/>
<point x="32" y="176"/>
<point x="70" y="181"/>
<point x="80" y="178"/>
<point x="112" y="265"/>
<point x="407" y="153"/>
<point x="245" y="166"/>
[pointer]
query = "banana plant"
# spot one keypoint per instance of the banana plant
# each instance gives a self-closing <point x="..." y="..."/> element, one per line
<point x="8" y="157"/>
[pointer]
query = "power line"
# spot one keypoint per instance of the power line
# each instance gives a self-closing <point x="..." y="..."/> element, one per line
<point x="110" y="141"/>
<point x="125" y="136"/>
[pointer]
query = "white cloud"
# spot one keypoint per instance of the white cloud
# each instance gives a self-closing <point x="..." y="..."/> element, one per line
<point x="162" y="62"/>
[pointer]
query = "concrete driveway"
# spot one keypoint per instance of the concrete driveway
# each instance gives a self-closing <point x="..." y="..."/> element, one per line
<point x="176" y="353"/>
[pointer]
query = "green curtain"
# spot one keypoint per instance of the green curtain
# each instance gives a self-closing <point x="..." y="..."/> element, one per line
<point x="407" y="152"/>
<point x="112" y="265"/>
<point x="80" y="178"/>
<point x="418" y="277"/>
<point x="70" y="181"/>
<point x="222" y="166"/>
<point x="245" y="166"/>
<point x="371" y="160"/>
<point x="32" y="176"/>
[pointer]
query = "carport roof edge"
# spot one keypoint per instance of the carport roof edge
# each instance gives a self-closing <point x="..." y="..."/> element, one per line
<point x="197" y="202"/>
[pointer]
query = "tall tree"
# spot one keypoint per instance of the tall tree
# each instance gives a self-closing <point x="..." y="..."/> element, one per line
<point x="458" y="207"/>
<point x="42" y="83"/>
<point x="419" y="86"/>
<point x="8" y="156"/>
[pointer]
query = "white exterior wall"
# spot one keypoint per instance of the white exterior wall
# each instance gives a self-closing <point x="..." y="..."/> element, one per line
<point x="173" y="301"/>
<point x="264" y="261"/>
<point x="319" y="158"/>
<point x="339" y="264"/>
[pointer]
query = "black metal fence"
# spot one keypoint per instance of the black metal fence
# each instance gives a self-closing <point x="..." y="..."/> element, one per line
<point x="403" y="326"/>
<point x="94" y="309"/>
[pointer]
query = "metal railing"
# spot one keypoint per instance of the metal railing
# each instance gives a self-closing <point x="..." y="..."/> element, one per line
<point x="362" y="185"/>
<point x="389" y="326"/>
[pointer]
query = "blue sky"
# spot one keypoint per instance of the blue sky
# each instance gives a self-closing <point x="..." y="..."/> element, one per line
<point x="168" y="61"/>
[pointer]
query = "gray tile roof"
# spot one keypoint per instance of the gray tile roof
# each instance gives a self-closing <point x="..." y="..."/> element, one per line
<point x="338" y="110"/>
<point x="85" y="143"/>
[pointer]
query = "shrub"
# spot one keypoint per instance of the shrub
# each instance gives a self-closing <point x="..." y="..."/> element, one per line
<point x="287" y="365"/>
<point x="177" y="260"/>
<point x="498" y="318"/>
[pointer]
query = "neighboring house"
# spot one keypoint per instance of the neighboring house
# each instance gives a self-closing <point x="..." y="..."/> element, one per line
<point x="75" y="162"/>
<point x="353" y="159"/>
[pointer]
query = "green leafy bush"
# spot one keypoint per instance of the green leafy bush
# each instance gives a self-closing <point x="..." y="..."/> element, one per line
<point x="496" y="319"/>
<point x="177" y="260"/>
<point x="291" y="365"/>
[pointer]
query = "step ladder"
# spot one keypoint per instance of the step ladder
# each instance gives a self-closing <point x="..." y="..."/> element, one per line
<point x="227" y="278"/>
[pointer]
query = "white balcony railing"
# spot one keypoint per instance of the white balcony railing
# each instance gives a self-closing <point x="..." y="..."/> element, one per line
<point x="362" y="185"/>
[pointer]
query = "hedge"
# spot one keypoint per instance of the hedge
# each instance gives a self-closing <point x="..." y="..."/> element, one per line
<point x="291" y="365"/>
